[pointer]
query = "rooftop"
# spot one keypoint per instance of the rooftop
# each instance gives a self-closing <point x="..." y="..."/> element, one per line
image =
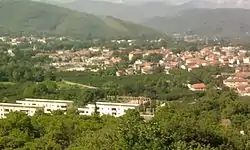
<point x="18" y="105"/>
<point x="47" y="100"/>
<point x="117" y="104"/>
<point x="199" y="86"/>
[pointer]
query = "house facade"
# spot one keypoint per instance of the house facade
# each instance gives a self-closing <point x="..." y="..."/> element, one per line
<point x="48" y="105"/>
<point x="6" y="108"/>
<point x="106" y="108"/>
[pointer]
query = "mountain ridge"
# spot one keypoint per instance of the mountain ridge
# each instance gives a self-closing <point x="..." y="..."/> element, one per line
<point x="207" y="22"/>
<point x="35" y="17"/>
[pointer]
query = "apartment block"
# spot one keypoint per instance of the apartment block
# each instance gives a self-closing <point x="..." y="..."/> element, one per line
<point x="48" y="105"/>
<point x="106" y="108"/>
<point x="6" y="108"/>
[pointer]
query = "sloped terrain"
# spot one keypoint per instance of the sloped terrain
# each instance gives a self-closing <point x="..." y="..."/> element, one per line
<point x="23" y="16"/>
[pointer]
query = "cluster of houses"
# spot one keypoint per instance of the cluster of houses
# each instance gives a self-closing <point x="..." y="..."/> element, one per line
<point x="29" y="39"/>
<point x="240" y="80"/>
<point x="208" y="56"/>
<point x="30" y="106"/>
<point x="95" y="59"/>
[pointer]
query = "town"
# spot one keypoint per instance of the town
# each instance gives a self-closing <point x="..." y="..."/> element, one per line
<point x="127" y="61"/>
<point x="124" y="75"/>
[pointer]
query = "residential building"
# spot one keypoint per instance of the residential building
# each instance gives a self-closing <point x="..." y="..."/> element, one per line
<point x="48" y="105"/>
<point x="6" y="108"/>
<point x="197" y="87"/>
<point x="107" y="108"/>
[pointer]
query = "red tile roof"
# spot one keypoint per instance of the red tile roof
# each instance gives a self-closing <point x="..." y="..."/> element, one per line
<point x="199" y="86"/>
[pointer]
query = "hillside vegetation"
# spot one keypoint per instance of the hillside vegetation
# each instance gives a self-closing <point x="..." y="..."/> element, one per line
<point x="23" y="16"/>
<point x="220" y="22"/>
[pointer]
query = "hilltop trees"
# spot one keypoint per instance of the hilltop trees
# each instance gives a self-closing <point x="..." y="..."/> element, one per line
<point x="176" y="126"/>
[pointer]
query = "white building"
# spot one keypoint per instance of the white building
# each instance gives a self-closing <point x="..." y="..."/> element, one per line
<point x="106" y="108"/>
<point x="48" y="105"/>
<point x="6" y="108"/>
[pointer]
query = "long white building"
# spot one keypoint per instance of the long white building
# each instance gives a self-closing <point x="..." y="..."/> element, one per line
<point x="48" y="105"/>
<point x="6" y="108"/>
<point x="107" y="108"/>
<point x="30" y="106"/>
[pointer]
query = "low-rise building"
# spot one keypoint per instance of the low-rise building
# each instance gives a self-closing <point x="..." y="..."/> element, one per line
<point x="107" y="108"/>
<point x="48" y="105"/>
<point x="197" y="87"/>
<point x="6" y="108"/>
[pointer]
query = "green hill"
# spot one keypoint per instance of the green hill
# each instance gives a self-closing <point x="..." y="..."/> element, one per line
<point x="36" y="18"/>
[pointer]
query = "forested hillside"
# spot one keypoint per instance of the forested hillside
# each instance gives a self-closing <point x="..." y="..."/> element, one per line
<point x="27" y="17"/>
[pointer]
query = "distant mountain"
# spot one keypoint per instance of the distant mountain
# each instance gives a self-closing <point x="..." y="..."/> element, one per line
<point x="35" y="17"/>
<point x="135" y="13"/>
<point x="220" y="22"/>
<point x="205" y="17"/>
<point x="146" y="9"/>
<point x="212" y="4"/>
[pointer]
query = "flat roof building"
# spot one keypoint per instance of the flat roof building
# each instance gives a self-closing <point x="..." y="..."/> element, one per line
<point x="107" y="108"/>
<point x="6" y="108"/>
<point x="48" y="105"/>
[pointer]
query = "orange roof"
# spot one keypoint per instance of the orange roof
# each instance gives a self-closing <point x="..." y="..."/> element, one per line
<point x="199" y="86"/>
<point x="242" y="74"/>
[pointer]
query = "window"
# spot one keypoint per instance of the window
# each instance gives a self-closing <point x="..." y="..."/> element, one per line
<point x="114" y="114"/>
<point x="48" y="109"/>
<point x="63" y="106"/>
<point x="113" y="109"/>
<point x="7" y="110"/>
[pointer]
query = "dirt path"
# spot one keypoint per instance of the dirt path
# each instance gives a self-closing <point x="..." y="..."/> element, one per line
<point x="78" y="84"/>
